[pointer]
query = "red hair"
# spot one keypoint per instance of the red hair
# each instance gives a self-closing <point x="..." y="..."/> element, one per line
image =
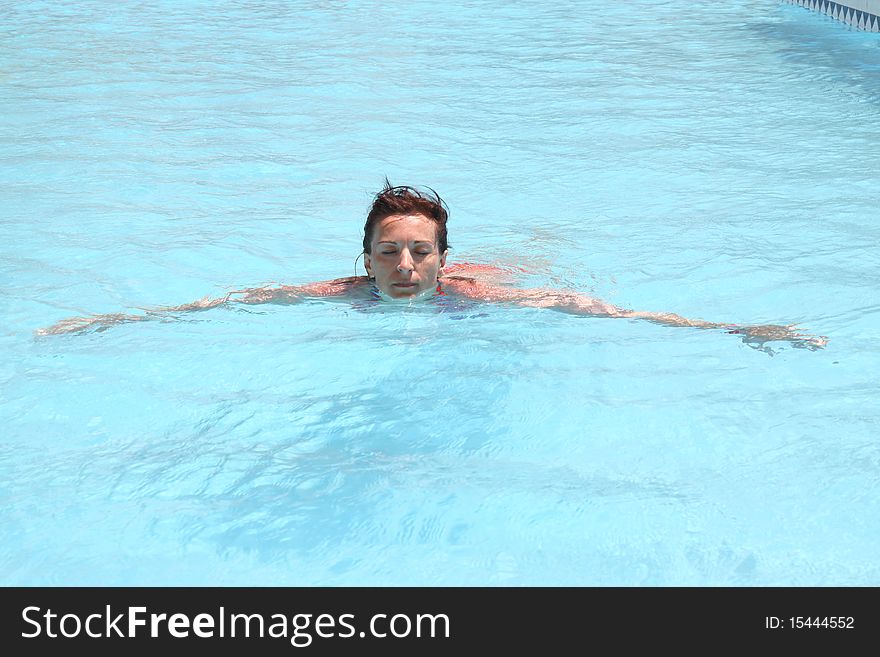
<point x="407" y="200"/>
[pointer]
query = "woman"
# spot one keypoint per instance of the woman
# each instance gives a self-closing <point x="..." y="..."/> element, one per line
<point x="405" y="253"/>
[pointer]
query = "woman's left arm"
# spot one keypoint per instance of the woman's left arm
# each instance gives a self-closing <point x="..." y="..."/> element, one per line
<point x="579" y="304"/>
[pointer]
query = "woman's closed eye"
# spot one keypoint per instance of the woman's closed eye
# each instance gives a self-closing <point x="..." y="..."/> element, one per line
<point x="420" y="252"/>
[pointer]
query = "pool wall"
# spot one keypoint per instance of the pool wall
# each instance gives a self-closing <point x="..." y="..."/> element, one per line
<point x="863" y="14"/>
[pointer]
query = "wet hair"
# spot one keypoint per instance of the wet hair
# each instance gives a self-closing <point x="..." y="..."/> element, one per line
<point x="407" y="200"/>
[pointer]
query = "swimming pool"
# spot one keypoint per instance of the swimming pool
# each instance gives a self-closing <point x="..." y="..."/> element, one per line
<point x="717" y="160"/>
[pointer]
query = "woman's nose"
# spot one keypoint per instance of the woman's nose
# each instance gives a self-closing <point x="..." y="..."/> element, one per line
<point x="405" y="263"/>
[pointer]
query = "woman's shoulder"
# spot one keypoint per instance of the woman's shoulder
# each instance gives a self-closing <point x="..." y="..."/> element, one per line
<point x="482" y="272"/>
<point x="481" y="281"/>
<point x="474" y="267"/>
<point x="332" y="288"/>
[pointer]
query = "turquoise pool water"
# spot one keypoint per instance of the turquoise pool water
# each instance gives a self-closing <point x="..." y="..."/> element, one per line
<point x="716" y="160"/>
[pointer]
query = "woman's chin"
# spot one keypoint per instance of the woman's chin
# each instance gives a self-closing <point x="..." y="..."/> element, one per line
<point x="403" y="292"/>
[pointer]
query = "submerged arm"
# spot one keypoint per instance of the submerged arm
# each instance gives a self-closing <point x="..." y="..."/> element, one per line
<point x="754" y="336"/>
<point x="579" y="304"/>
<point x="281" y="294"/>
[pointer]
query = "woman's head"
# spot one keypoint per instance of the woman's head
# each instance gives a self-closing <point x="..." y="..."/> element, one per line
<point x="405" y="240"/>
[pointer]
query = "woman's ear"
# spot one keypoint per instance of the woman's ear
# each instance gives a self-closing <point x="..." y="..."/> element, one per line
<point x="443" y="258"/>
<point x="368" y="265"/>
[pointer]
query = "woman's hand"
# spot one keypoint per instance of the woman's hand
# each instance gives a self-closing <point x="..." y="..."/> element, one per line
<point x="757" y="336"/>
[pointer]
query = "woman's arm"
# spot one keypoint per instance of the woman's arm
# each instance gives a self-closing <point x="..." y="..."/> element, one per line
<point x="753" y="336"/>
<point x="280" y="294"/>
<point x="579" y="304"/>
<point x="103" y="322"/>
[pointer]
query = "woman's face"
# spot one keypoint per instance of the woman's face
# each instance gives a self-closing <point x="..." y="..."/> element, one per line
<point x="404" y="257"/>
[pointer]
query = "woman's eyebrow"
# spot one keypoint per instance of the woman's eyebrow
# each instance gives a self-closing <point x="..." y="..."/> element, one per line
<point x="414" y="242"/>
